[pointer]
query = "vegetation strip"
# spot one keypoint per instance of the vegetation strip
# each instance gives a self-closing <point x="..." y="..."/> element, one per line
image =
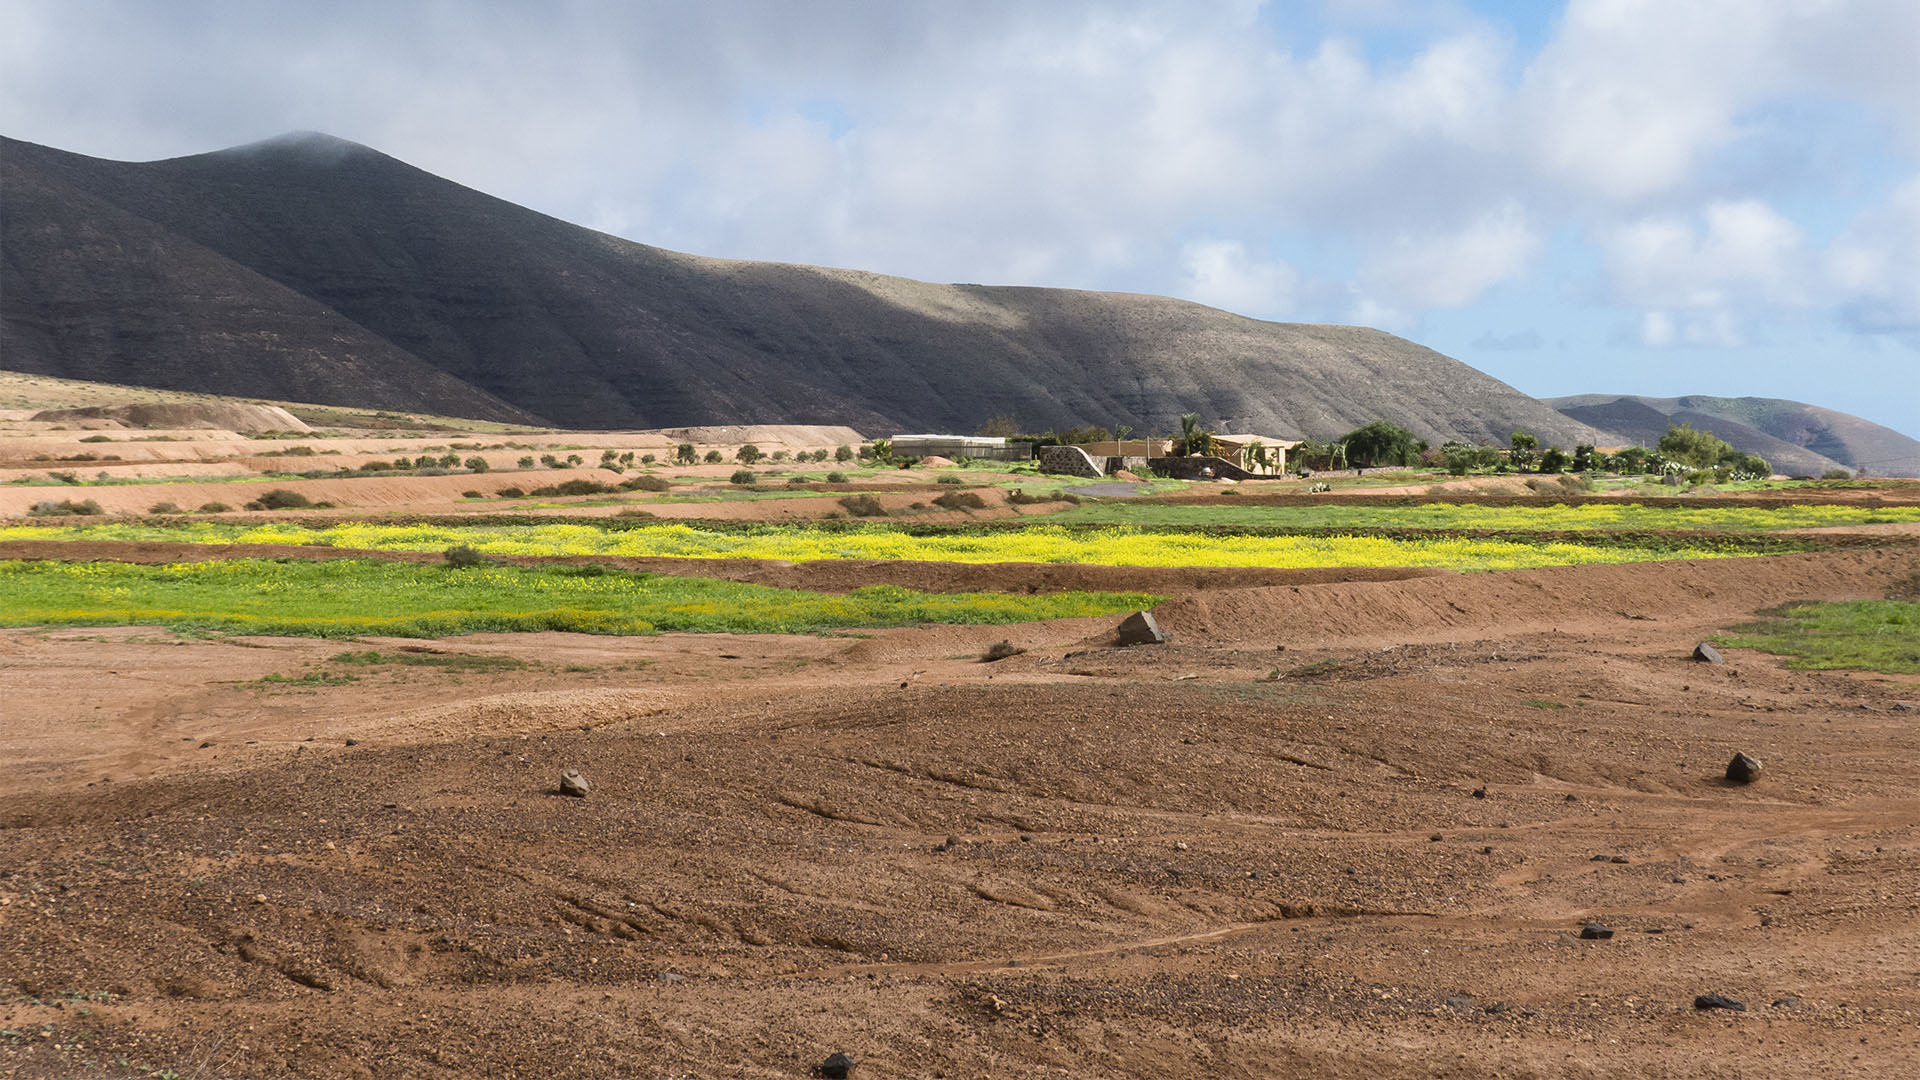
<point x="1114" y="546"/>
<point x="349" y="597"/>
<point x="1560" y="517"/>
<point x="1871" y="635"/>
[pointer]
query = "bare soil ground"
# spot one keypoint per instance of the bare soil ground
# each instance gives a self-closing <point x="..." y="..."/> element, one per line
<point x="1337" y="828"/>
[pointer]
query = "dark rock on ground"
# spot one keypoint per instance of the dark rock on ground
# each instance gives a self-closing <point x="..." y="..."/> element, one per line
<point x="837" y="1067"/>
<point x="1140" y="628"/>
<point x="1743" y="769"/>
<point x="572" y="783"/>
<point x="1707" y="654"/>
<point x="1717" y="1001"/>
<point x="1593" y="931"/>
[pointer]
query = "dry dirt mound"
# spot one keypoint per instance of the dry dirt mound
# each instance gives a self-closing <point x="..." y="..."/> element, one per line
<point x="1463" y="606"/>
<point x="229" y="416"/>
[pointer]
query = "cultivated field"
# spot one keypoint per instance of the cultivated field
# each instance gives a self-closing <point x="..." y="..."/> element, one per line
<point x="281" y="788"/>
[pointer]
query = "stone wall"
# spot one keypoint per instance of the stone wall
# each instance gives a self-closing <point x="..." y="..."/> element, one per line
<point x="1068" y="461"/>
<point x="1188" y="468"/>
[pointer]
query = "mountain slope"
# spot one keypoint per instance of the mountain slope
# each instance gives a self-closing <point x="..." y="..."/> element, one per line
<point x="1795" y="437"/>
<point x="314" y="268"/>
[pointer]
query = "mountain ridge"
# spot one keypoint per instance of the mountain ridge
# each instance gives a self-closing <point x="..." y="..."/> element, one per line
<point x="1795" y="437"/>
<point x="309" y="267"/>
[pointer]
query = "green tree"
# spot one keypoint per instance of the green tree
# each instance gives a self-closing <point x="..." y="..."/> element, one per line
<point x="1583" y="458"/>
<point x="748" y="454"/>
<point x="713" y="457"/>
<point x="685" y="454"/>
<point x="843" y="452"/>
<point x="1520" y="450"/>
<point x="1700" y="449"/>
<point x="1554" y="460"/>
<point x="477" y="463"/>
<point x="1380" y="443"/>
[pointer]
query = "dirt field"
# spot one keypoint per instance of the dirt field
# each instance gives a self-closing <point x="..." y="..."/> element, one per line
<point x="1337" y="828"/>
<point x="1349" y="823"/>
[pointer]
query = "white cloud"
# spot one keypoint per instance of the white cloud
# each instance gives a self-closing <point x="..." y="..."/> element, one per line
<point x="1452" y="269"/>
<point x="1742" y="251"/>
<point x="1875" y="267"/>
<point x="1221" y="274"/>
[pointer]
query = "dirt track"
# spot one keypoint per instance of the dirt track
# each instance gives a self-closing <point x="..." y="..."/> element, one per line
<point x="1211" y="858"/>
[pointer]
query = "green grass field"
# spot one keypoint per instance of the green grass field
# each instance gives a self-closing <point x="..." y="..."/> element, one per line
<point x="1115" y="546"/>
<point x="1588" y="517"/>
<point x="349" y="597"/>
<point x="1872" y="635"/>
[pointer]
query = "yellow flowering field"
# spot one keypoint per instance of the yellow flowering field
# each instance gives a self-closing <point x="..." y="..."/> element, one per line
<point x="1112" y="546"/>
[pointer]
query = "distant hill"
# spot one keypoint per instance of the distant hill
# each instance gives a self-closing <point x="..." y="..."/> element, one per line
<point x="311" y="269"/>
<point x="1793" y="436"/>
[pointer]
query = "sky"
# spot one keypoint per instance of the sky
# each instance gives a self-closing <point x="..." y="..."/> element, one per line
<point x="1622" y="196"/>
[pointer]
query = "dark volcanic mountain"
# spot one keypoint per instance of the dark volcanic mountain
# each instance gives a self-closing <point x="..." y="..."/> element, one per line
<point x="307" y="268"/>
<point x="1796" y="438"/>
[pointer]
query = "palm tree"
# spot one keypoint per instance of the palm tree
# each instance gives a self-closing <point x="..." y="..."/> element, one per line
<point x="1194" y="439"/>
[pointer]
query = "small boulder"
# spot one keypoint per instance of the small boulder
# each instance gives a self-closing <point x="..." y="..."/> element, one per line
<point x="1593" y="931"/>
<point x="837" y="1067"/>
<point x="1718" y="1001"/>
<point x="1000" y="650"/>
<point x="1139" y="628"/>
<point x="1707" y="654"/>
<point x="1743" y="769"/>
<point x="572" y="783"/>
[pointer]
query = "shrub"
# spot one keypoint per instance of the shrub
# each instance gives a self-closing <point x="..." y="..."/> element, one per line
<point x="282" y="499"/>
<point x="961" y="500"/>
<point x="49" y="508"/>
<point x="472" y="495"/>
<point x="644" y="483"/>
<point x="863" y="506"/>
<point x="748" y="454"/>
<point x="526" y="462"/>
<point x="477" y="463"/>
<point x="1837" y="474"/>
<point x="684" y="453"/>
<point x="796" y="481"/>
<point x="575" y="459"/>
<point x="551" y="462"/>
<point x="743" y="477"/>
<point x="104" y="438"/>
<point x="780" y="455"/>
<point x="213" y="508"/>
<point x="463" y="557"/>
<point x="511" y="492"/>
<point x="165" y="508"/>
<point x="836" y="478"/>
<point x="948" y="479"/>
<point x="843" y="452"/>
<point x="713" y="457"/>
<point x="647" y="459"/>
<point x="576" y="487"/>
<point x="64" y="477"/>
